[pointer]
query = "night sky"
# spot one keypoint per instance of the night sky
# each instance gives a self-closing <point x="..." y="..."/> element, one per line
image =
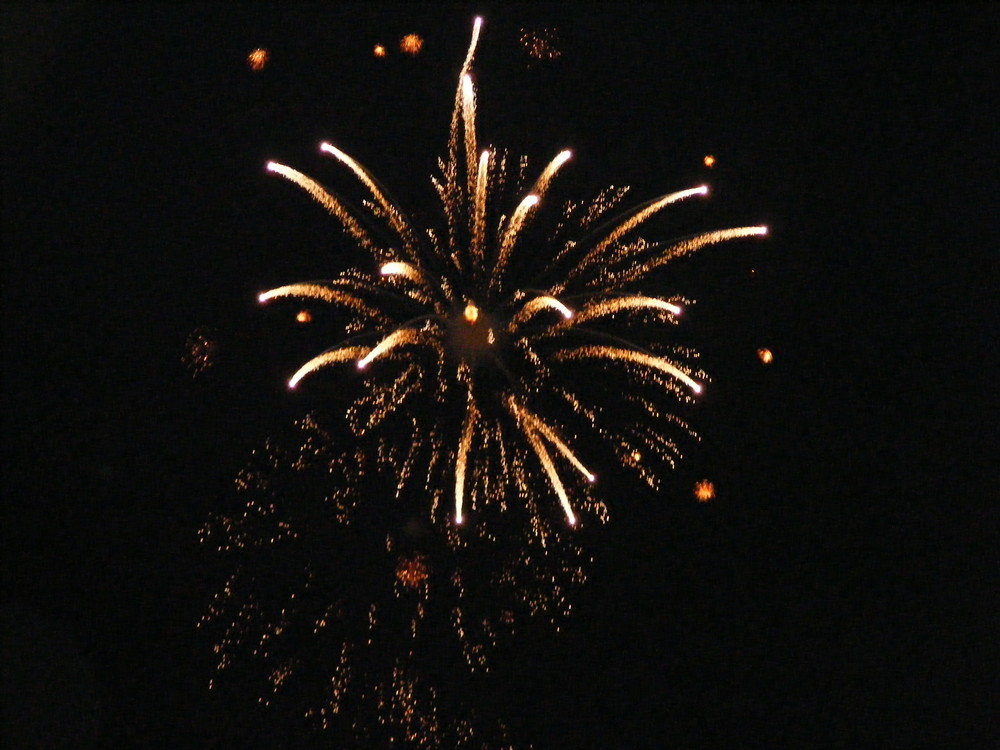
<point x="840" y="591"/>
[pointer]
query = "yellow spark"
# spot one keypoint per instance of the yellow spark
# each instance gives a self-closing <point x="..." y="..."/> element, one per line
<point x="611" y="306"/>
<point x="630" y="355"/>
<point x="471" y="313"/>
<point x="327" y="358"/>
<point x="540" y="303"/>
<point x="765" y="355"/>
<point x="689" y="246"/>
<point x="709" y="161"/>
<point x="463" y="454"/>
<point x="398" y="337"/>
<point x="379" y="51"/>
<point x="331" y="204"/>
<point x="536" y="423"/>
<point x="631" y="222"/>
<point x="398" y="268"/>
<point x="304" y="316"/>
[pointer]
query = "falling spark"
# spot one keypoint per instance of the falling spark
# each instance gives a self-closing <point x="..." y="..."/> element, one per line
<point x="378" y="50"/>
<point x="709" y="161"/>
<point x="765" y="355"/>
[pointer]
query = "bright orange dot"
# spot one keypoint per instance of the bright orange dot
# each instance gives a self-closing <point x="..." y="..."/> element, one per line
<point x="258" y="59"/>
<point x="471" y="313"/>
<point x="765" y="355"/>
<point x="304" y="316"/>
<point x="709" y="161"/>
<point x="379" y="51"/>
<point x="704" y="491"/>
<point x="411" y="44"/>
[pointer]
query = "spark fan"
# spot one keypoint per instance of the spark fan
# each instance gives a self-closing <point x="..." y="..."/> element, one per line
<point x="508" y="356"/>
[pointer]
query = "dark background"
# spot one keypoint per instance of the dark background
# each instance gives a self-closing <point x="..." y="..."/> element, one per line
<point x="842" y="588"/>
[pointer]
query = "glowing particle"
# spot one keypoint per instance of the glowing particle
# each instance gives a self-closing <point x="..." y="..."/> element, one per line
<point x="412" y="572"/>
<point x="257" y="59"/>
<point x="704" y="491"/>
<point x="471" y="313"/>
<point x="379" y="50"/>
<point x="541" y="44"/>
<point x="411" y="44"/>
<point x="709" y="161"/>
<point x="765" y="355"/>
<point x="200" y="350"/>
<point x="304" y="316"/>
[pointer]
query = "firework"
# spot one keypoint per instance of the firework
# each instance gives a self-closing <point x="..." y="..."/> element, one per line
<point x="704" y="491"/>
<point x="411" y="44"/>
<point x="541" y="44"/>
<point x="258" y="59"/>
<point x="508" y="369"/>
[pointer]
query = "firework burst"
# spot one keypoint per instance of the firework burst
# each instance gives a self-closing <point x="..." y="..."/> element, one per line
<point x="505" y="354"/>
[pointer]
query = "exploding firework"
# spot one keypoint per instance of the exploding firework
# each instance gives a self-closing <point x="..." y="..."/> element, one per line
<point x="411" y="44"/>
<point x="506" y="367"/>
<point x="258" y="59"/>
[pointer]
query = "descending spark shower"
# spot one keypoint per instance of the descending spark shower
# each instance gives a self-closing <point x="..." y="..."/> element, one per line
<point x="492" y="363"/>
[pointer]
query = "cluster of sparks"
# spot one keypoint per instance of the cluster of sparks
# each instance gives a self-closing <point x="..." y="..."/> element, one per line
<point x="448" y="319"/>
<point x="492" y="364"/>
<point x="541" y="44"/>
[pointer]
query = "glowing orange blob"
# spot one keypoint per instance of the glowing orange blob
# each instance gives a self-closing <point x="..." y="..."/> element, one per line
<point x="411" y="44"/>
<point x="709" y="161"/>
<point x="379" y="51"/>
<point x="765" y="356"/>
<point x="704" y="491"/>
<point x="258" y="59"/>
<point x="471" y="313"/>
<point x="412" y="571"/>
<point x="304" y="316"/>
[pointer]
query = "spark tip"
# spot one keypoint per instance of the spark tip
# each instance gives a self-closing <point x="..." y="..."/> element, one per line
<point x="702" y="189"/>
<point x="262" y="298"/>
<point x="697" y="388"/>
<point x="459" y="520"/>
<point x="272" y="166"/>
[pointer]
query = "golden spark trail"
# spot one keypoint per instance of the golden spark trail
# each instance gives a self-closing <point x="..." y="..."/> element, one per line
<point x="399" y="224"/>
<point x="536" y="423"/>
<point x="325" y="294"/>
<point x="396" y="338"/>
<point x="331" y="204"/>
<point x="630" y="355"/>
<point x="469" y="125"/>
<point x="689" y="246"/>
<point x="540" y="303"/>
<point x="479" y="215"/>
<point x="327" y="358"/>
<point x="510" y="234"/>
<point x="617" y="304"/>
<point x="542" y="183"/>
<point x="631" y="223"/>
<point x="463" y="456"/>
<point x="550" y="470"/>
<point x="398" y="268"/>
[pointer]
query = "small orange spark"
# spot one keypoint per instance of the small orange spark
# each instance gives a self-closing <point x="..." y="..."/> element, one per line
<point x="765" y="355"/>
<point x="379" y="51"/>
<point x="541" y="44"/>
<point x="411" y="44"/>
<point x="709" y="161"/>
<point x="304" y="316"/>
<point x="258" y="59"/>
<point x="704" y="491"/>
<point x="412" y="571"/>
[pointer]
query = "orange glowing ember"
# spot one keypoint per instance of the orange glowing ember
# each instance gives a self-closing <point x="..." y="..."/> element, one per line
<point x="304" y="316"/>
<point x="411" y="44"/>
<point x="704" y="491"/>
<point x="258" y="59"/>
<point x="379" y="51"/>
<point x="412" y="571"/>
<point x="765" y="355"/>
<point x="709" y="161"/>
